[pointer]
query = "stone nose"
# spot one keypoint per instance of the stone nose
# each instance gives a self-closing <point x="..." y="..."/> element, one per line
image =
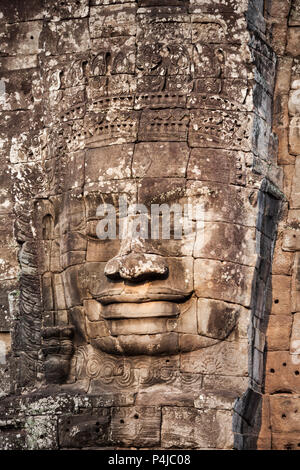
<point x="136" y="266"/>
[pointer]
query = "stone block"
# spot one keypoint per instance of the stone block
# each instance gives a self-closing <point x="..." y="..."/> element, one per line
<point x="160" y="190"/>
<point x="23" y="38"/>
<point x="67" y="10"/>
<point x="295" y="192"/>
<point x="122" y="127"/>
<point x="75" y="285"/>
<point x="281" y="295"/>
<point x="293" y="40"/>
<point x="76" y="316"/>
<point x="72" y="258"/>
<point x="262" y="139"/>
<point x="31" y="10"/>
<point x="47" y="291"/>
<point x="216" y="165"/>
<point x="282" y="372"/>
<point x="55" y="264"/>
<point x="281" y="111"/>
<point x="222" y="203"/>
<point x="282" y="261"/>
<point x="96" y="329"/>
<point x="278" y="333"/>
<point x="12" y="436"/>
<point x="295" y="290"/>
<point x="284" y="157"/>
<point x="93" y="310"/>
<point x="226" y="242"/>
<point x="137" y="426"/>
<point x="285" y="441"/>
<point x="257" y="368"/>
<point x="44" y="256"/>
<point x="278" y="8"/>
<point x="102" y="250"/>
<point x="112" y="20"/>
<point x="284" y="412"/>
<point x="228" y="130"/>
<point x="6" y="197"/>
<point x="293" y="218"/>
<point x="215" y="401"/>
<point x="9" y="303"/>
<point x="277" y="31"/>
<point x="117" y="55"/>
<point x="159" y="395"/>
<point x="160" y="158"/>
<point x="294" y="136"/>
<point x="216" y="319"/>
<point x="135" y="345"/>
<point x="294" y="19"/>
<point x="18" y="89"/>
<point x="163" y="125"/>
<point x="283" y="79"/>
<point x="5" y="347"/>
<point x="265" y="70"/>
<point x="173" y="32"/>
<point x="59" y="293"/>
<point x="73" y="36"/>
<point x="138" y="326"/>
<point x="224" y="358"/>
<point x="109" y="192"/>
<point x="187" y="428"/>
<point x="72" y="241"/>
<point x="264" y="437"/>
<point x="187" y="320"/>
<point x="112" y="162"/>
<point x="237" y="385"/>
<point x="9" y="267"/>
<point x="288" y="172"/>
<point x="61" y="317"/>
<point x="75" y="169"/>
<point x="294" y="101"/>
<point x="48" y="319"/>
<point x="162" y="14"/>
<point x="255" y="16"/>
<point x="235" y="65"/>
<point x="85" y="430"/>
<point x="220" y="27"/>
<point x="262" y="102"/>
<point x="223" y="281"/>
<point x="41" y="433"/>
<point x="295" y="336"/>
<point x="291" y="240"/>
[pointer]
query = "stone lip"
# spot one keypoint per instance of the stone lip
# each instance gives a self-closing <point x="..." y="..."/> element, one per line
<point x="140" y="310"/>
<point x="172" y="295"/>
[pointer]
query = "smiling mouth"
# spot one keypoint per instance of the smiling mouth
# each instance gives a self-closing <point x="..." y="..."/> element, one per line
<point x="140" y="310"/>
<point x="125" y="297"/>
<point x="139" y="323"/>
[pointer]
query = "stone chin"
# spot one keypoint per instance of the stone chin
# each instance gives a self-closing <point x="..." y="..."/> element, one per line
<point x="160" y="344"/>
<point x="136" y="345"/>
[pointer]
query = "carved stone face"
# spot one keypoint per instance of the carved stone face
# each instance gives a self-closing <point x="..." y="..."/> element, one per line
<point x="163" y="122"/>
<point x="145" y="296"/>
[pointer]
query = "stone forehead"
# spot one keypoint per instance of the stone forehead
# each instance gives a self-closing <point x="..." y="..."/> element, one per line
<point x="146" y="168"/>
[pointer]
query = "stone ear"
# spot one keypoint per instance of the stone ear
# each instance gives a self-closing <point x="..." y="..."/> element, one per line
<point x="57" y="347"/>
